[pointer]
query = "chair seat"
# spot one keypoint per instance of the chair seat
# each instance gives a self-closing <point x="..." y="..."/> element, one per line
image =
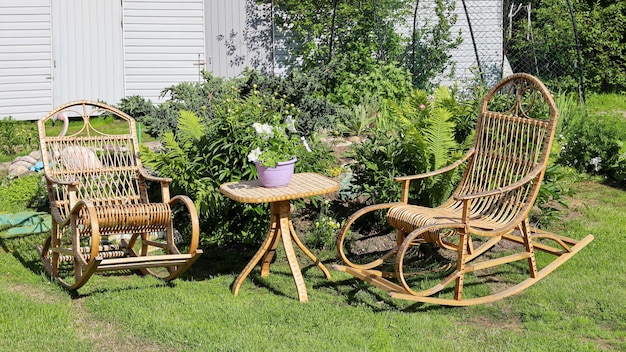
<point x="409" y="217"/>
<point x="129" y="218"/>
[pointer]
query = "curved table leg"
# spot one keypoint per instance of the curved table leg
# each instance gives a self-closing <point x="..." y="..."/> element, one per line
<point x="281" y="229"/>
<point x="292" y="259"/>
<point x="306" y="251"/>
<point x="265" y="246"/>
<point x="274" y="233"/>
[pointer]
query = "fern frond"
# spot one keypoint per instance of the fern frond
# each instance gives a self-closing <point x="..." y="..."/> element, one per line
<point x="441" y="95"/>
<point x="439" y="137"/>
<point x="190" y="127"/>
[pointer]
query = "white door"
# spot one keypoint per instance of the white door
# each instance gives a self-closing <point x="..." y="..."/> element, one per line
<point x="87" y="50"/>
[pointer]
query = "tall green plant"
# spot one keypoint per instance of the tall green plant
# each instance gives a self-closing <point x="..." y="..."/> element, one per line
<point x="202" y="155"/>
<point x="422" y="140"/>
<point x="353" y="34"/>
<point x="17" y="137"/>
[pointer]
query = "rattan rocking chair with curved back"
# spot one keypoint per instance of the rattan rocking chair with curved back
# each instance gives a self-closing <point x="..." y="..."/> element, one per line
<point x="98" y="190"/>
<point x="503" y="174"/>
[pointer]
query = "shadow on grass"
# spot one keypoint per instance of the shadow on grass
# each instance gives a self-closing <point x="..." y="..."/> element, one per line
<point x="24" y="249"/>
<point x="231" y="260"/>
<point x="215" y="261"/>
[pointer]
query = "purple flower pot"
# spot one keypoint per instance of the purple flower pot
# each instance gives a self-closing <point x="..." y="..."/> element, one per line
<point x="279" y="176"/>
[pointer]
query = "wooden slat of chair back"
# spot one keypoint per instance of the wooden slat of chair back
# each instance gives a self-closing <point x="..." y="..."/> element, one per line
<point x="105" y="165"/>
<point x="513" y="136"/>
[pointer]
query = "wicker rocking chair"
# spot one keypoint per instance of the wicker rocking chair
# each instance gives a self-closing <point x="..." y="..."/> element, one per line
<point x="102" y="219"/>
<point x="503" y="173"/>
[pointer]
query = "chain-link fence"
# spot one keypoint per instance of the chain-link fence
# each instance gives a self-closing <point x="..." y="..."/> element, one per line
<point x="503" y="37"/>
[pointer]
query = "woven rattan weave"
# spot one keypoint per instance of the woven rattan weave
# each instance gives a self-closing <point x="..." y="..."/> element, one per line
<point x="102" y="216"/>
<point x="503" y="174"/>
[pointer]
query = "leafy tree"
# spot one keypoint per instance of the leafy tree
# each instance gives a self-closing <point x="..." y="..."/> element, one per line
<point x="603" y="43"/>
<point x="355" y="34"/>
<point x="548" y="49"/>
<point x="427" y="53"/>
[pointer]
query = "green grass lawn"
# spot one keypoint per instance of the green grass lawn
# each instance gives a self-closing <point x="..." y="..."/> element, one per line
<point x="579" y="307"/>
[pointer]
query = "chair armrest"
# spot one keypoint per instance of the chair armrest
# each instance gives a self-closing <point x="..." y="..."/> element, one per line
<point x="436" y="172"/>
<point x="531" y="176"/>
<point x="193" y="215"/>
<point x="153" y="178"/>
<point x="88" y="207"/>
<point x="72" y="187"/>
<point x="164" y="181"/>
<point x="406" y="180"/>
<point x="61" y="182"/>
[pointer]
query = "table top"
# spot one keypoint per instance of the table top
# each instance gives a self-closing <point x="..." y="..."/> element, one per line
<point x="301" y="185"/>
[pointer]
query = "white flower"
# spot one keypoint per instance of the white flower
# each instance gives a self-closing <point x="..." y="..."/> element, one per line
<point x="306" y="145"/>
<point x="291" y="124"/>
<point x="596" y="163"/>
<point x="264" y="130"/>
<point x="254" y="155"/>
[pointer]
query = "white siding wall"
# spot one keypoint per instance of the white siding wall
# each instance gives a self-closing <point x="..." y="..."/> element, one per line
<point x="486" y="20"/>
<point x="163" y="44"/>
<point x="249" y="22"/>
<point x="25" y="60"/>
<point x="87" y="50"/>
<point x="224" y="17"/>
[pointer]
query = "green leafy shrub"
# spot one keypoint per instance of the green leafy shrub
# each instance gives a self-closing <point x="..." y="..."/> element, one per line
<point x="202" y="155"/>
<point x="197" y="97"/>
<point x="421" y="140"/>
<point x="382" y="82"/>
<point x="304" y="90"/>
<point x="323" y="230"/>
<point x="552" y="197"/>
<point x="19" y="194"/>
<point x="604" y="51"/>
<point x="594" y="144"/>
<point x="136" y="106"/>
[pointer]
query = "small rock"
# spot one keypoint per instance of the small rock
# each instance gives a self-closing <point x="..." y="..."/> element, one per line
<point x="22" y="163"/>
<point x="26" y="158"/>
<point x="36" y="154"/>
<point x="18" y="170"/>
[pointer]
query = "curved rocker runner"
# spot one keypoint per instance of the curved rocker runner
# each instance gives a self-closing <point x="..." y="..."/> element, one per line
<point x="503" y="174"/>
<point x="97" y="190"/>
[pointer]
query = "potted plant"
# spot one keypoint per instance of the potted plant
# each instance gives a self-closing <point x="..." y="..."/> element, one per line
<point x="275" y="148"/>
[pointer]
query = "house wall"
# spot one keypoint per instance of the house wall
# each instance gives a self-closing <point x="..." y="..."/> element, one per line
<point x="485" y="17"/>
<point x="25" y="59"/>
<point x="164" y="44"/>
<point x="55" y="51"/>
<point x="160" y="43"/>
<point x="87" y="51"/>
<point x="238" y="35"/>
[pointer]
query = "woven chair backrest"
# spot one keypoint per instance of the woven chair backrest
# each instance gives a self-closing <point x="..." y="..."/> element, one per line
<point x="105" y="165"/>
<point x="514" y="135"/>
